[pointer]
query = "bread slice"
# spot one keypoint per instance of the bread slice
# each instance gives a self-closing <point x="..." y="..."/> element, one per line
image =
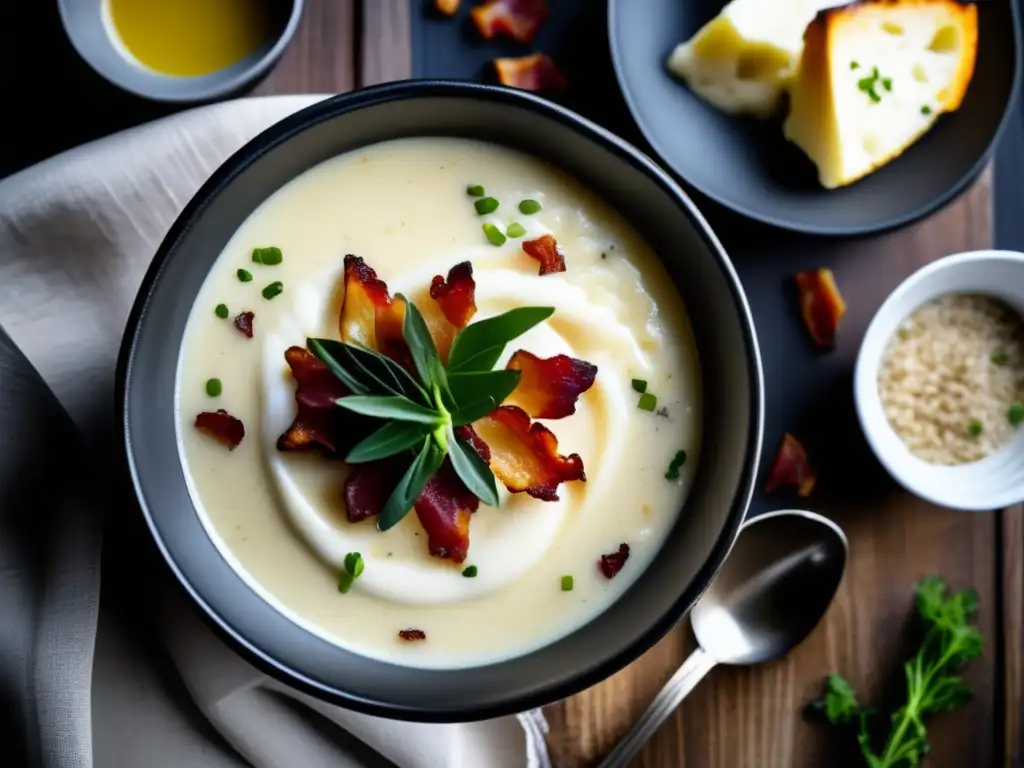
<point x="742" y="60"/>
<point x="874" y="77"/>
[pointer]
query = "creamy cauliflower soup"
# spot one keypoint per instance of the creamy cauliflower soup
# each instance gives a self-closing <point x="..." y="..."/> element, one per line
<point x="438" y="403"/>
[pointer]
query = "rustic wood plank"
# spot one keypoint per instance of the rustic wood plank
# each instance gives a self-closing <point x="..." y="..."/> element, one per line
<point x="322" y="56"/>
<point x="386" y="51"/>
<point x="1013" y="636"/>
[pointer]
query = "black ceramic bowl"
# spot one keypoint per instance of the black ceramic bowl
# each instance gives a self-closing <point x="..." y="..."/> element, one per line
<point x="748" y="165"/>
<point x="631" y="183"/>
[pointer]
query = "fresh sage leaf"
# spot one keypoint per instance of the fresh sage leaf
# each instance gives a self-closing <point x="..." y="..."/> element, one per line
<point x="409" y="488"/>
<point x="329" y="352"/>
<point x="389" y="407"/>
<point x="475" y="410"/>
<point x="389" y="375"/>
<point x="390" y="440"/>
<point x="421" y="345"/>
<point x="479" y="345"/>
<point x="472" y="470"/>
<point x="470" y="387"/>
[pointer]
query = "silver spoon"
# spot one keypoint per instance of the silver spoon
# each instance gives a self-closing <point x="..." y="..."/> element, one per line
<point x="777" y="583"/>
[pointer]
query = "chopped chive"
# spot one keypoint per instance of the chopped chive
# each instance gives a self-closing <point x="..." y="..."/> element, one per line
<point x="640" y="385"/>
<point x="1016" y="414"/>
<point x="274" y="289"/>
<point x="475" y="190"/>
<point x="494" y="234"/>
<point x="529" y="207"/>
<point x="221" y="311"/>
<point x="854" y="65"/>
<point x="470" y="572"/>
<point x="345" y="583"/>
<point x="926" y="110"/>
<point x="903" y="333"/>
<point x="673" y="468"/>
<point x="214" y="387"/>
<point x="486" y="205"/>
<point x="244" y="275"/>
<point x="974" y="428"/>
<point x="648" y="402"/>
<point x="270" y="256"/>
<point x="354" y="564"/>
<point x="999" y="357"/>
<point x="515" y="229"/>
<point x="567" y="583"/>
<point x="887" y="83"/>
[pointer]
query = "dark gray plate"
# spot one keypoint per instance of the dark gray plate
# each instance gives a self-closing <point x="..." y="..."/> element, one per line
<point x="748" y="166"/>
<point x="731" y="373"/>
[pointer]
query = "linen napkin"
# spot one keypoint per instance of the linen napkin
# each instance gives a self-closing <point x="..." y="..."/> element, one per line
<point x="77" y="233"/>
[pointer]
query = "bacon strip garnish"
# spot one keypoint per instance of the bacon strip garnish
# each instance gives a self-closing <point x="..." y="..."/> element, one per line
<point x="524" y="454"/>
<point x="243" y="322"/>
<point x="457" y="295"/>
<point x="545" y="250"/>
<point x="518" y="19"/>
<point x="221" y="425"/>
<point x="369" y="316"/>
<point x="318" y="422"/>
<point x="369" y="485"/>
<point x="791" y="468"/>
<point x="410" y="635"/>
<point x="611" y="564"/>
<point x="821" y="305"/>
<point x="549" y="387"/>
<point x="536" y="72"/>
<point x="447" y="7"/>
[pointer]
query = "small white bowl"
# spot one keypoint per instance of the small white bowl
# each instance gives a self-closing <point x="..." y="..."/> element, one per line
<point x="996" y="481"/>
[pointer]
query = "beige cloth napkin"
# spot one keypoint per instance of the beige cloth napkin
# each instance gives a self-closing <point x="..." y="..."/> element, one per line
<point x="77" y="233"/>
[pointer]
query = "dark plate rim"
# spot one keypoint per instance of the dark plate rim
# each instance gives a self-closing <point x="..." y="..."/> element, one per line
<point x="940" y="201"/>
<point x="285" y="130"/>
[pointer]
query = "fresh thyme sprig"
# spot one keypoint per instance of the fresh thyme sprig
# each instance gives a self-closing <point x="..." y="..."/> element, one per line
<point x="933" y="682"/>
<point x="420" y="413"/>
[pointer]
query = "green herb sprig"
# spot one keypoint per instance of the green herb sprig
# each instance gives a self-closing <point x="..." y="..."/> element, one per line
<point x="933" y="682"/>
<point x="419" y="413"/>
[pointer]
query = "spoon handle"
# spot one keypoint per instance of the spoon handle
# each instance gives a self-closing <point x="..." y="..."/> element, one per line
<point x="669" y="697"/>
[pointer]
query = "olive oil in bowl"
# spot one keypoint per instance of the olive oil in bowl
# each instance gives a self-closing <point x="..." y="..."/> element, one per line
<point x="191" y="38"/>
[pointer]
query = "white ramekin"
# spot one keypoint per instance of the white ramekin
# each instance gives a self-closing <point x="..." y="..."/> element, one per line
<point x="994" y="482"/>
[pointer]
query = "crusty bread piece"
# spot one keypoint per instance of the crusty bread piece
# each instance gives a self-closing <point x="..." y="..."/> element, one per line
<point x="874" y="77"/>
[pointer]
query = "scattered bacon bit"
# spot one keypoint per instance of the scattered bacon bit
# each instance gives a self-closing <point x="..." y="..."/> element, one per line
<point x="821" y="305"/>
<point x="243" y="322"/>
<point x="611" y="564"/>
<point x="222" y="426"/>
<point x="536" y="72"/>
<point x="791" y="468"/>
<point x="369" y="316"/>
<point x="447" y="7"/>
<point x="369" y="485"/>
<point x="412" y="634"/>
<point x="456" y="295"/>
<point x="549" y="387"/>
<point x="518" y="19"/>
<point x="524" y="455"/>
<point x="545" y="250"/>
<point x="318" y="422"/>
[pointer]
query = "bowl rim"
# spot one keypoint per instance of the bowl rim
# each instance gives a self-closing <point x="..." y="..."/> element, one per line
<point x="940" y="201"/>
<point x="200" y="88"/>
<point x="331" y="108"/>
<point x="865" y="392"/>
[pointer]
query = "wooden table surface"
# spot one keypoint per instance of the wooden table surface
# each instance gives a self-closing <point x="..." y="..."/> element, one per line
<point x="743" y="718"/>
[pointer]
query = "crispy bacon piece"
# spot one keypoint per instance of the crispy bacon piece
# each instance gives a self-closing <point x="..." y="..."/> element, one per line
<point x="791" y="468"/>
<point x="821" y="305"/>
<point x="318" y="422"/>
<point x="518" y="19"/>
<point x="369" y="316"/>
<point x="410" y="635"/>
<point x="524" y="454"/>
<point x="536" y="72"/>
<point x="611" y="564"/>
<point x="456" y="295"/>
<point x="369" y="485"/>
<point x="549" y="387"/>
<point x="447" y="7"/>
<point x="243" y="322"/>
<point x="545" y="250"/>
<point x="223" y="426"/>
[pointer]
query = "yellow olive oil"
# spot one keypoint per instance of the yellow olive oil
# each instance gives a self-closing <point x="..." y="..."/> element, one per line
<point x="187" y="38"/>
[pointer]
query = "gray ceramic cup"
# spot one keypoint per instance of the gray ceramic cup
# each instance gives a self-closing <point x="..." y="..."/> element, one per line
<point x="631" y="183"/>
<point x="89" y="31"/>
